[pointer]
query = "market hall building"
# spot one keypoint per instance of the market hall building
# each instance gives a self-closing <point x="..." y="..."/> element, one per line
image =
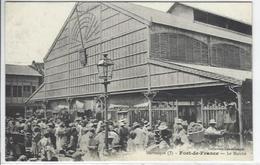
<point x="185" y="63"/>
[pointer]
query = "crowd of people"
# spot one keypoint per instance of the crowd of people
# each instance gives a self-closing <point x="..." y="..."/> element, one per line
<point x="53" y="139"/>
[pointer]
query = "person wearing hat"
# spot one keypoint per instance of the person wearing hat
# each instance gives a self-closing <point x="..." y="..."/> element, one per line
<point x="211" y="133"/>
<point x="146" y="124"/>
<point x="180" y="137"/>
<point x="17" y="124"/>
<point x="175" y="126"/>
<point x="13" y="149"/>
<point x="212" y="128"/>
<point x="165" y="133"/>
<point x="130" y="143"/>
<point x="45" y="146"/>
<point x="113" y="138"/>
<point x="36" y="137"/>
<point x="86" y="133"/>
<point x="231" y="117"/>
<point x="185" y="125"/>
<point x="43" y="126"/>
<point x="51" y="132"/>
<point x="73" y="140"/>
<point x="161" y="139"/>
<point x="150" y="137"/>
<point x="60" y="133"/>
<point x="140" y="136"/>
<point x="100" y="139"/>
<point x="123" y="134"/>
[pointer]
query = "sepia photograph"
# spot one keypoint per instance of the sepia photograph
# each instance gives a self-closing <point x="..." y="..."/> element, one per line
<point x="127" y="81"/>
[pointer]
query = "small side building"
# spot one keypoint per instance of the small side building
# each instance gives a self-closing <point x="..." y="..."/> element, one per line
<point x="21" y="82"/>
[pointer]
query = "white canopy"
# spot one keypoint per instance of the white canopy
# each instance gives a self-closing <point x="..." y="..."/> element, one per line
<point x="141" y="105"/>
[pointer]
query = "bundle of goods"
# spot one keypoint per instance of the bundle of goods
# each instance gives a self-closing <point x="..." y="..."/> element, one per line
<point x="196" y="132"/>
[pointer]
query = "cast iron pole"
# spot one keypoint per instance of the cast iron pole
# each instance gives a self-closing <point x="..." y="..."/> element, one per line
<point x="106" y="114"/>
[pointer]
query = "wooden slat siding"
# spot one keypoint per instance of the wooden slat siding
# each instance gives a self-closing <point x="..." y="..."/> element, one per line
<point x="201" y="52"/>
<point x="123" y="38"/>
<point x="59" y="85"/>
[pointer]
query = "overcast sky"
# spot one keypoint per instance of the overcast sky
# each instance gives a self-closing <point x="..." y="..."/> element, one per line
<point x="32" y="27"/>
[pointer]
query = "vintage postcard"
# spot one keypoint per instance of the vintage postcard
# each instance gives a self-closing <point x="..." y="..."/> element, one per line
<point x="128" y="81"/>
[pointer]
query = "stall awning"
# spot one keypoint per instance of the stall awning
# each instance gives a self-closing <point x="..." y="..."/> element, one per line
<point x="141" y="105"/>
<point x="79" y="105"/>
<point x="118" y="106"/>
<point x="59" y="107"/>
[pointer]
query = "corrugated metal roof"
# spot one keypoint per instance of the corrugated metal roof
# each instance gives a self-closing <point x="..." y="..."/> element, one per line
<point x="24" y="70"/>
<point x="168" y="19"/>
<point x="149" y="15"/>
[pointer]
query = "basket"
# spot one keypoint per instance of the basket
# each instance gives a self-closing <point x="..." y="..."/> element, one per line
<point x="197" y="137"/>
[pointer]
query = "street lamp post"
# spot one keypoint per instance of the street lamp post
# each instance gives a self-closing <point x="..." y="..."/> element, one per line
<point x="105" y="68"/>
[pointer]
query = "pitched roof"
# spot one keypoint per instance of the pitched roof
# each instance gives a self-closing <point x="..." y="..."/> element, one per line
<point x="149" y="15"/>
<point x="160" y="17"/>
<point x="233" y="76"/>
<point x="24" y="70"/>
<point x="202" y="9"/>
<point x="38" y="66"/>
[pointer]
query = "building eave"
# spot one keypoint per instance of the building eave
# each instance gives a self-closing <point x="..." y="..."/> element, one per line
<point x="195" y="71"/>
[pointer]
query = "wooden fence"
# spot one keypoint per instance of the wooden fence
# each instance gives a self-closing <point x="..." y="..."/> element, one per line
<point x="213" y="113"/>
<point x="168" y="115"/>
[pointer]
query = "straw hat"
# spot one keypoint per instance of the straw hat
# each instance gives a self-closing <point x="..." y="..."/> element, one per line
<point x="185" y="123"/>
<point x="89" y="126"/>
<point x="84" y="130"/>
<point x="145" y="122"/>
<point x="71" y="124"/>
<point x="49" y="124"/>
<point x="178" y="121"/>
<point x="212" y="121"/>
<point x="149" y="128"/>
<point x="78" y="119"/>
<point x="121" y="124"/>
<point x="199" y="121"/>
<point x="19" y="118"/>
<point x="163" y="126"/>
<point x="136" y="124"/>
